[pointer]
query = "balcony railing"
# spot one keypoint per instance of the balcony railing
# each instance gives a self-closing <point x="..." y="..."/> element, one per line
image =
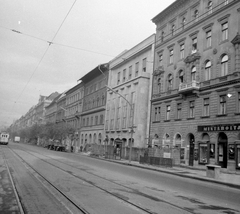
<point x="189" y="86"/>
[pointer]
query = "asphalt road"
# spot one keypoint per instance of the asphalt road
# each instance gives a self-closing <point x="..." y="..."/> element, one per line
<point x="89" y="181"/>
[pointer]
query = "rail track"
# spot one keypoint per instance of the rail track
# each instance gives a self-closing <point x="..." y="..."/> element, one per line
<point x="84" y="210"/>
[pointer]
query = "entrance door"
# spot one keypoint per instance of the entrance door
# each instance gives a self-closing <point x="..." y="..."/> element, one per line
<point x="222" y="150"/>
<point x="191" y="149"/>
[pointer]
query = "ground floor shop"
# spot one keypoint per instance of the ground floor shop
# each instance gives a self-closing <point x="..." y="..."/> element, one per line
<point x="217" y="144"/>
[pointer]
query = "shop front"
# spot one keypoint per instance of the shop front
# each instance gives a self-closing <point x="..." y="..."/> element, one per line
<point x="222" y="152"/>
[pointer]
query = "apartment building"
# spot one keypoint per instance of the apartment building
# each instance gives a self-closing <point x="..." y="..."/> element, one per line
<point x="94" y="105"/>
<point x="128" y="99"/>
<point x="73" y="110"/>
<point x="196" y="83"/>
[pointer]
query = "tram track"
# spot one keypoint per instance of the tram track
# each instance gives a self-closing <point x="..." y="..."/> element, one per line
<point x="33" y="153"/>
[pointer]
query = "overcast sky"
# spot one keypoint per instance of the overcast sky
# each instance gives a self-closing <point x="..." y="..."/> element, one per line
<point x="94" y="32"/>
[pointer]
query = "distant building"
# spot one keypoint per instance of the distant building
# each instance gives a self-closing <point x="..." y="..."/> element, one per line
<point x="94" y="105"/>
<point x="129" y="84"/>
<point x="196" y="83"/>
<point x="73" y="109"/>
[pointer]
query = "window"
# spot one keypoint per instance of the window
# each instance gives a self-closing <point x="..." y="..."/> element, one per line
<point x="179" y="110"/>
<point x="91" y="123"/>
<point x="96" y="120"/>
<point x="183" y="22"/>
<point x="130" y="73"/>
<point x="209" y="38"/>
<point x="208" y="70"/>
<point x="101" y="119"/>
<point x="168" y="112"/>
<point x="159" y="85"/>
<point x="84" y="122"/>
<point x="136" y="69"/>
<point x="118" y="78"/>
<point x="87" y="122"/>
<point x="170" y="82"/>
<point x="173" y="29"/>
<point x="118" y="113"/>
<point x="194" y="45"/>
<point x="124" y="75"/>
<point x="191" y="109"/>
<point x="157" y="111"/>
<point x="156" y="114"/>
<point x="124" y="122"/>
<point x="162" y="36"/>
<point x="222" y="108"/>
<point x="210" y="7"/>
<point x="225" y="31"/>
<point x="171" y="56"/>
<point x="182" y="51"/>
<point x="131" y="119"/>
<point x="238" y="102"/>
<point x="206" y="107"/>
<point x="160" y="60"/>
<point x="225" y="2"/>
<point x="193" y="73"/>
<point x="196" y="15"/>
<point x="144" y="65"/>
<point x="181" y="76"/>
<point x="224" y="65"/>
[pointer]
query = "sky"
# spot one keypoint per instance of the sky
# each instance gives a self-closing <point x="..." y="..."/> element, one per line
<point x="48" y="45"/>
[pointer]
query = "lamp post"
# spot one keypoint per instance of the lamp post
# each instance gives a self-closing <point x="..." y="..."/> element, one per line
<point x="131" y="129"/>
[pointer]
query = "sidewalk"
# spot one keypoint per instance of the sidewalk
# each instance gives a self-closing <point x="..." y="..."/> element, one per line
<point x="227" y="179"/>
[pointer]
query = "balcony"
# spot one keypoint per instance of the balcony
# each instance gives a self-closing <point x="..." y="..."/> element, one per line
<point x="189" y="87"/>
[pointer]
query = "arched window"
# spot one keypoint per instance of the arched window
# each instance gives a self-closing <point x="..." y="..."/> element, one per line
<point x="193" y="73"/>
<point x="208" y="70"/>
<point x="183" y="22"/>
<point x="210" y="5"/>
<point x="170" y="82"/>
<point x="159" y="85"/>
<point x="181" y="76"/>
<point x="224" y="65"/>
<point x="196" y="15"/>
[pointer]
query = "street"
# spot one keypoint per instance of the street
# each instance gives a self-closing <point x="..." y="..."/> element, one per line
<point x="58" y="182"/>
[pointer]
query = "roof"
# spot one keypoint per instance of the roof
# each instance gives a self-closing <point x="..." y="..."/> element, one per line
<point x="95" y="72"/>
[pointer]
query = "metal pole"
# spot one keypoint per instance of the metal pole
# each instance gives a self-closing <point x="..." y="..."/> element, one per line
<point x="131" y="140"/>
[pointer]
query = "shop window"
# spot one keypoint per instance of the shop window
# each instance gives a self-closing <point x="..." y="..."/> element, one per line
<point x="212" y="150"/>
<point x="238" y="156"/>
<point x="231" y="152"/>
<point x="203" y="150"/>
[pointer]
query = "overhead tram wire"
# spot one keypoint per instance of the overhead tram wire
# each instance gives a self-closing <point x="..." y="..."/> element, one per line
<point x="54" y="43"/>
<point x="42" y="55"/>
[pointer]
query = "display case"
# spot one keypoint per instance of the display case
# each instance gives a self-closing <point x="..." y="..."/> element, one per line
<point x="231" y="151"/>
<point x="203" y="153"/>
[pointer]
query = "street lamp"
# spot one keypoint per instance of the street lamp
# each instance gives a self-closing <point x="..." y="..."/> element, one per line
<point x="131" y="129"/>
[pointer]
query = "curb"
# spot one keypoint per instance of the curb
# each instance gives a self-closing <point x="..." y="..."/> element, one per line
<point x="236" y="186"/>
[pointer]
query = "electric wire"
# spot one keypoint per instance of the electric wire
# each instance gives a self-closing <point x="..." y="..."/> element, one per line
<point x="34" y="71"/>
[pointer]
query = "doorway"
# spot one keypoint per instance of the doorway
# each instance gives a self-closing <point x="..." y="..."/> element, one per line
<point x="191" y="149"/>
<point x="222" y="149"/>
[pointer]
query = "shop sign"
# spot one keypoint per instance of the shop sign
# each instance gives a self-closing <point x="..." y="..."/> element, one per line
<point x="222" y="127"/>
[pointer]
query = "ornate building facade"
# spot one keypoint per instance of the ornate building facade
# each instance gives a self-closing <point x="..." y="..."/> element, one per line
<point x="196" y="82"/>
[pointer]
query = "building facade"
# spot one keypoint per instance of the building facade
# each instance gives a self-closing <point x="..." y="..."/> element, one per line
<point x="94" y="105"/>
<point x="128" y="99"/>
<point x="73" y="110"/>
<point x="196" y="83"/>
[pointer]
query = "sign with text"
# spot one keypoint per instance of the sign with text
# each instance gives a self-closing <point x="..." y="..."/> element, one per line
<point x="220" y="127"/>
